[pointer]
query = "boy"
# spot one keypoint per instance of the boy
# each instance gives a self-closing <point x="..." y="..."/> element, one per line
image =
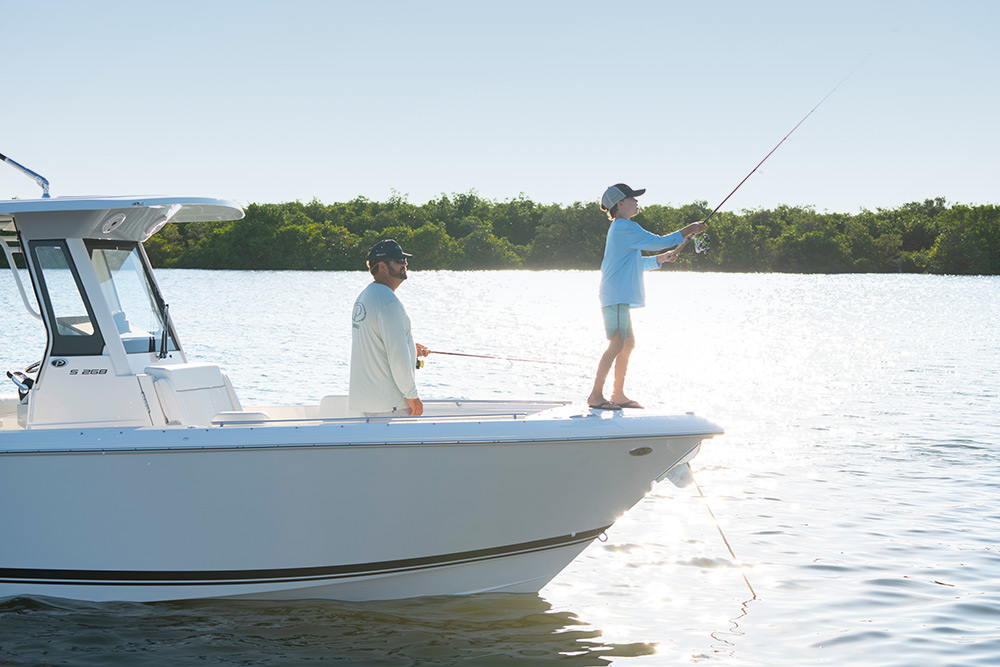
<point x="622" y="287"/>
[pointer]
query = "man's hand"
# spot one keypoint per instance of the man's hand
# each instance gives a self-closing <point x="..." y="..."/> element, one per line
<point x="422" y="350"/>
<point x="416" y="406"/>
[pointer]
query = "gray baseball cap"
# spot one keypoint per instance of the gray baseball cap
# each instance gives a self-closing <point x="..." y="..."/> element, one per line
<point x="616" y="193"/>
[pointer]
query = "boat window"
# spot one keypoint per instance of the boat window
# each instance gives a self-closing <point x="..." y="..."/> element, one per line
<point x="69" y="316"/>
<point x="131" y="295"/>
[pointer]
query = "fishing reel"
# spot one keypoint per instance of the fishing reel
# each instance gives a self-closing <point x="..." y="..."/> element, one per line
<point x="701" y="244"/>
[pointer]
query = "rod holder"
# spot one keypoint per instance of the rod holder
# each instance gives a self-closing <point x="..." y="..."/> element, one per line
<point x="42" y="182"/>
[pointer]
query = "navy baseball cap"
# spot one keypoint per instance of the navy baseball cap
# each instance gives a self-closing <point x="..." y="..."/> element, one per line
<point x="386" y="250"/>
<point x="616" y="193"/>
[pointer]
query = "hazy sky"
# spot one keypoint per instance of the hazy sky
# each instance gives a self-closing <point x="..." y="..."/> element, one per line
<point x="276" y="101"/>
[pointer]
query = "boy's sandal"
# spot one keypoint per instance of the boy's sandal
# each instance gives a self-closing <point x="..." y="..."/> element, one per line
<point x="606" y="405"/>
<point x="630" y="404"/>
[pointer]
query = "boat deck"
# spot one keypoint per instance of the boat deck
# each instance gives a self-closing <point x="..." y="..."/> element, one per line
<point x="334" y="409"/>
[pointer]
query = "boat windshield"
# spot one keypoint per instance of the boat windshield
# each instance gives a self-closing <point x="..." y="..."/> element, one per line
<point x="131" y="295"/>
<point x="72" y="320"/>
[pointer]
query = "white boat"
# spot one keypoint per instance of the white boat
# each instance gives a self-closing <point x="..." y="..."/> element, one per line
<point x="129" y="472"/>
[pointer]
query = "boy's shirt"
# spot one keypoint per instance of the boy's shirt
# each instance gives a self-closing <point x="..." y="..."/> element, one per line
<point x="621" y="270"/>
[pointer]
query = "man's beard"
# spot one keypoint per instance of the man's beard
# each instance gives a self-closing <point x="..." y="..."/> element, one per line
<point x="399" y="273"/>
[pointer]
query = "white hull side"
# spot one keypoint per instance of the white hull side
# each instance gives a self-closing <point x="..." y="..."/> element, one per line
<point x="340" y="521"/>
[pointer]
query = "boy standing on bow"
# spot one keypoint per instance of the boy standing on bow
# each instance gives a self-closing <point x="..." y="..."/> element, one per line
<point x="622" y="287"/>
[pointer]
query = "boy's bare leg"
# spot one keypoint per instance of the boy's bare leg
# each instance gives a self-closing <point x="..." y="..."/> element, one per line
<point x="615" y="347"/>
<point x="621" y="367"/>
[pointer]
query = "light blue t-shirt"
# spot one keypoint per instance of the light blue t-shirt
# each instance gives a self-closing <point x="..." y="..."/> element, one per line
<point x="621" y="270"/>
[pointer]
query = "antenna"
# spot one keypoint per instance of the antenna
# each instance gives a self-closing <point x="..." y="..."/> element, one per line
<point x="43" y="182"/>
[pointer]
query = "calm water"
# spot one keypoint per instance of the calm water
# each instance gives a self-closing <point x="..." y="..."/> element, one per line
<point x="857" y="481"/>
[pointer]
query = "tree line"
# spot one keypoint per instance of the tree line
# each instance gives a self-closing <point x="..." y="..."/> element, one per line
<point x="466" y="231"/>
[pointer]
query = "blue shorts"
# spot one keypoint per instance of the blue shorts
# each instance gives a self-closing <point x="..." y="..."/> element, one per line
<point x="617" y="320"/>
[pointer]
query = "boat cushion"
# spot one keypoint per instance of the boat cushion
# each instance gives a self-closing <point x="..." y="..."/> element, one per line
<point x="184" y="377"/>
<point x="193" y="393"/>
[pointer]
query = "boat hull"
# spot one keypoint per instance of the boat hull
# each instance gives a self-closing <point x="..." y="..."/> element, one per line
<point x="349" y="511"/>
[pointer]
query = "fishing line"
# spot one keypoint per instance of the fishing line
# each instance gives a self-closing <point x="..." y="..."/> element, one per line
<point x="489" y="356"/>
<point x="818" y="104"/>
<point x="731" y="552"/>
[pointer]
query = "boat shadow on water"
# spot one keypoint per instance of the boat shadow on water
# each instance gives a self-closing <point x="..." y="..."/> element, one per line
<point x="494" y="629"/>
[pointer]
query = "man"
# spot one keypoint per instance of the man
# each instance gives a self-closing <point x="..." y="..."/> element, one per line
<point x="383" y="355"/>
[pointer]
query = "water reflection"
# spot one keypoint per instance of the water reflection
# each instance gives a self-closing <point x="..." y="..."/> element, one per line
<point x="725" y="639"/>
<point x="485" y="629"/>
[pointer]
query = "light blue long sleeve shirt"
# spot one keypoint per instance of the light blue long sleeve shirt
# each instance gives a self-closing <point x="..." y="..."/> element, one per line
<point x="621" y="270"/>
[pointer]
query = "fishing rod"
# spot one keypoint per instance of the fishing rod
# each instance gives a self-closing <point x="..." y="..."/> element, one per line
<point x="489" y="356"/>
<point x="701" y="246"/>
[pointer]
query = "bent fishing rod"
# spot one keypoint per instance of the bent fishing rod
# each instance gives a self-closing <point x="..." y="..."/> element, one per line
<point x="701" y="247"/>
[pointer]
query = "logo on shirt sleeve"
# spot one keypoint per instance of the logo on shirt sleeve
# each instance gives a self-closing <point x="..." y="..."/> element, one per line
<point x="359" y="313"/>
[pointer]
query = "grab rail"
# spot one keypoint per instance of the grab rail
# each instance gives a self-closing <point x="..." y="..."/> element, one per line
<point x="9" y="252"/>
<point x="363" y="420"/>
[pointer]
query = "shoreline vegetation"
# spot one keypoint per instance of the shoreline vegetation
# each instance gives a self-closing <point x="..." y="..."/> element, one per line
<point x="466" y="231"/>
